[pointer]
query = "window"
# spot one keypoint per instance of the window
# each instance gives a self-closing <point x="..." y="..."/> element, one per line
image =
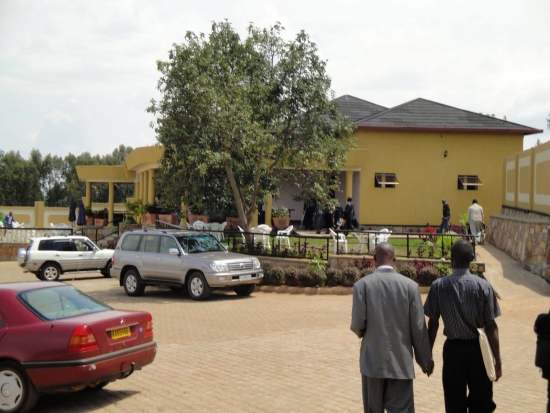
<point x="385" y="180"/>
<point x="150" y="243"/>
<point x="468" y="182"/>
<point x="56" y="303"/>
<point x="166" y="243"/>
<point x="130" y="243"/>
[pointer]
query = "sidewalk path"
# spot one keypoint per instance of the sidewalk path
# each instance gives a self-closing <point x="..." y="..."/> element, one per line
<point x="507" y="277"/>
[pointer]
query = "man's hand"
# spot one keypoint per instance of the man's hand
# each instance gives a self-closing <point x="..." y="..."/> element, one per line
<point x="428" y="368"/>
<point x="498" y="370"/>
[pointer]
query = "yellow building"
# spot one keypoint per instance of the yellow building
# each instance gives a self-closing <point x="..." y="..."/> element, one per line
<point x="407" y="160"/>
<point x="410" y="157"/>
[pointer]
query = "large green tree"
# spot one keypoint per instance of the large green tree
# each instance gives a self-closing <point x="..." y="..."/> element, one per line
<point x="239" y="116"/>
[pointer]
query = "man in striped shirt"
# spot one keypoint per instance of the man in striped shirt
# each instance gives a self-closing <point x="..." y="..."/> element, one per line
<point x="465" y="302"/>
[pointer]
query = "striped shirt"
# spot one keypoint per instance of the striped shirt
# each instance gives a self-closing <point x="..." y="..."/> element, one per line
<point x="464" y="301"/>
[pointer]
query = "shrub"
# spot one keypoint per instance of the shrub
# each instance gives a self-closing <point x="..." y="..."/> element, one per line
<point x="290" y="277"/>
<point x="419" y="264"/>
<point x="364" y="263"/>
<point x="303" y="277"/>
<point x="266" y="278"/>
<point x="318" y="278"/>
<point x="276" y="276"/>
<point x="408" y="271"/>
<point x="350" y="275"/>
<point x="367" y="271"/>
<point x="428" y="234"/>
<point x="443" y="270"/>
<point x="427" y="275"/>
<point x="316" y="263"/>
<point x="334" y="277"/>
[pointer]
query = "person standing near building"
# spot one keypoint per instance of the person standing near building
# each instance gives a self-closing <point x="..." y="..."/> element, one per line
<point x="542" y="355"/>
<point x="349" y="215"/>
<point x="446" y="217"/>
<point x="465" y="302"/>
<point x="475" y="220"/>
<point x="9" y="220"/>
<point x="387" y="315"/>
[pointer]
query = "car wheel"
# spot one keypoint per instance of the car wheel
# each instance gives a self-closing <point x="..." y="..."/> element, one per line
<point x="198" y="287"/>
<point x="50" y="272"/>
<point x="107" y="270"/>
<point x="245" y="289"/>
<point x="17" y="393"/>
<point x="132" y="284"/>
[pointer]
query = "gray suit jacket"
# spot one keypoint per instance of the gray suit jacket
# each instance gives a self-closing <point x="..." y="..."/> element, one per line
<point x="387" y="313"/>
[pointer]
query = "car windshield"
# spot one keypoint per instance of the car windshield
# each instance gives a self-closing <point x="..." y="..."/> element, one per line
<point x="193" y="244"/>
<point x="61" y="302"/>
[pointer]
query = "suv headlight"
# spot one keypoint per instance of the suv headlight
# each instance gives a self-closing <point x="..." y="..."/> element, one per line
<point x="219" y="267"/>
<point x="256" y="263"/>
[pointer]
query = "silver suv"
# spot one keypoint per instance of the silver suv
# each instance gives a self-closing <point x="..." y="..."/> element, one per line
<point x="49" y="257"/>
<point x="182" y="259"/>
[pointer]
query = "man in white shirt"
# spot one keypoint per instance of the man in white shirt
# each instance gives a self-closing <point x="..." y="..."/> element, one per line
<point x="475" y="219"/>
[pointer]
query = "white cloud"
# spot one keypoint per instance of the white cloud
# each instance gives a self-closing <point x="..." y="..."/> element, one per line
<point x="487" y="56"/>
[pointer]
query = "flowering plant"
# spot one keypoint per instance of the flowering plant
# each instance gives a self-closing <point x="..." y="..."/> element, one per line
<point x="429" y="234"/>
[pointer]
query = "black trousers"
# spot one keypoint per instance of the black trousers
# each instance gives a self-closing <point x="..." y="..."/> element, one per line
<point x="465" y="383"/>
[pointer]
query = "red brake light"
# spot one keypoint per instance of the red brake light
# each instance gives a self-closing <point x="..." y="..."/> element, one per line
<point x="82" y="340"/>
<point x="113" y="260"/>
<point x="149" y="328"/>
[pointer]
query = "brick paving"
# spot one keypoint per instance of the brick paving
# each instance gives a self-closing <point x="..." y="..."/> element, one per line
<point x="284" y="352"/>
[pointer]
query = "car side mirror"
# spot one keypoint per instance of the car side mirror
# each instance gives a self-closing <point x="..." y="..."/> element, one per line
<point x="173" y="251"/>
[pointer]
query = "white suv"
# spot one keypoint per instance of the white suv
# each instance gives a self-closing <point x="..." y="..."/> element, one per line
<point x="180" y="259"/>
<point x="49" y="257"/>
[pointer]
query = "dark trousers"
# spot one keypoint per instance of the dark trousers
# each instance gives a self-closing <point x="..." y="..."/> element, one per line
<point x="465" y="383"/>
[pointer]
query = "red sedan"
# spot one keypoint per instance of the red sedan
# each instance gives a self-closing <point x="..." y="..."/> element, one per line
<point x="54" y="337"/>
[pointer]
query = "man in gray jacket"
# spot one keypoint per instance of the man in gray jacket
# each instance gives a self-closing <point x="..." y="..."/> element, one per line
<point x="388" y="315"/>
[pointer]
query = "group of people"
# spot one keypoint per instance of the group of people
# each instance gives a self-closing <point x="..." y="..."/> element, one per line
<point x="475" y="219"/>
<point x="389" y="317"/>
<point x="319" y="216"/>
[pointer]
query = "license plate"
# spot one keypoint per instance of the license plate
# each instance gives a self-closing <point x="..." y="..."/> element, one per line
<point x="118" y="333"/>
<point x="245" y="277"/>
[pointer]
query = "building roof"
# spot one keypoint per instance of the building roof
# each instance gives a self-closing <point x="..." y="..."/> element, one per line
<point x="356" y="109"/>
<point x="425" y="115"/>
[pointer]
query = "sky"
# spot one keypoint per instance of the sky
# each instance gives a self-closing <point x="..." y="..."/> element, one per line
<point x="76" y="76"/>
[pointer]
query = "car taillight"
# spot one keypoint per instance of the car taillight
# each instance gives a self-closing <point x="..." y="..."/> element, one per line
<point x="113" y="261"/>
<point x="149" y="328"/>
<point x="83" y="339"/>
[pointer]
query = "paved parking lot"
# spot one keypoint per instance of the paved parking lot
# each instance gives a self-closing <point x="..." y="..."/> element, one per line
<point x="274" y="353"/>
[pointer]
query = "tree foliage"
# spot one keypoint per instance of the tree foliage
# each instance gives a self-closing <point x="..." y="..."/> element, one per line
<point x="53" y="179"/>
<point x="239" y="116"/>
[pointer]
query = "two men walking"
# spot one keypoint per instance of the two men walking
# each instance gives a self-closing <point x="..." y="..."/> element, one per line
<point x="387" y="314"/>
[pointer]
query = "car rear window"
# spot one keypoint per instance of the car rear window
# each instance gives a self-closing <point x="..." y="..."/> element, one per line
<point x="57" y="303"/>
<point x="56" y="245"/>
<point x="130" y="243"/>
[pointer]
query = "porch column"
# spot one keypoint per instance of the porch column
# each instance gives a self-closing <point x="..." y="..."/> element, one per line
<point x="144" y="186"/>
<point x="268" y="205"/>
<point x="111" y="203"/>
<point x="151" y="191"/>
<point x="349" y="184"/>
<point x="88" y="194"/>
